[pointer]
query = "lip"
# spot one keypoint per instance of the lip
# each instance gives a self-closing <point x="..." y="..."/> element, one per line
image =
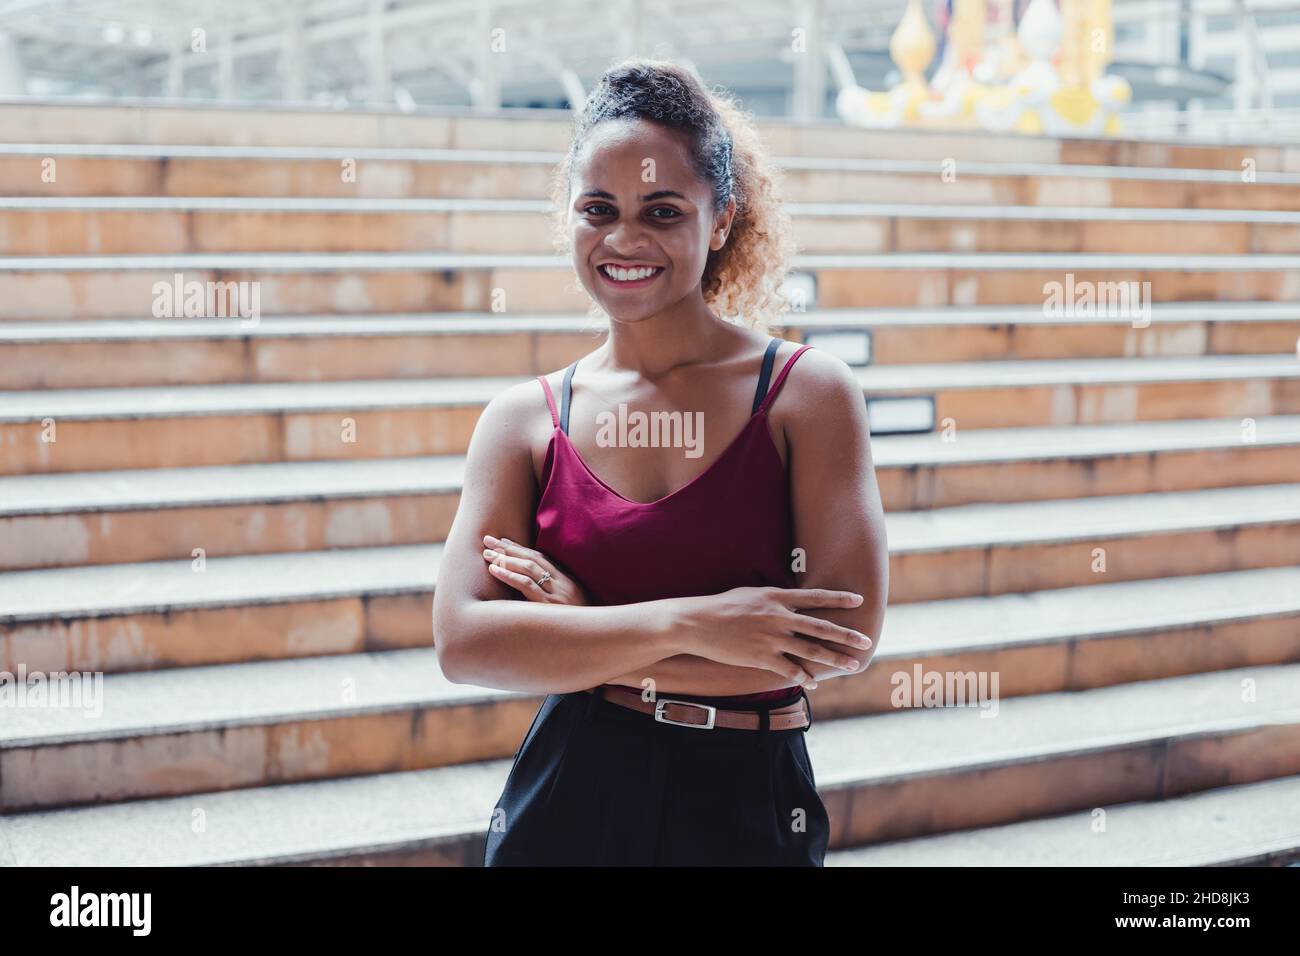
<point x="634" y="284"/>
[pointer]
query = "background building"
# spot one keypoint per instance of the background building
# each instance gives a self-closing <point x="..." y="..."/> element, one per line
<point x="1207" y="67"/>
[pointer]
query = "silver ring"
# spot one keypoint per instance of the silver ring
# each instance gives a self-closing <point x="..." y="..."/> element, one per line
<point x="546" y="576"/>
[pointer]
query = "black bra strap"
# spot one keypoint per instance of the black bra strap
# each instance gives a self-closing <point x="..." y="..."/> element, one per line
<point x="768" y="358"/>
<point x="566" y="393"/>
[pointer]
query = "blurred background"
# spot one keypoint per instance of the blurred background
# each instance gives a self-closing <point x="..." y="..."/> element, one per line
<point x="1209" y="68"/>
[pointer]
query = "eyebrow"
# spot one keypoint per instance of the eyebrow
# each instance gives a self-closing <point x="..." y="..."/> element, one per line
<point x="659" y="194"/>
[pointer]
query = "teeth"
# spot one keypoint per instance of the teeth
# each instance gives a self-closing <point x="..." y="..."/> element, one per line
<point x="628" y="275"/>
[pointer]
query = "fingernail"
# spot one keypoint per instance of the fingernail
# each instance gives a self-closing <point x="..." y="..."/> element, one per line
<point x="489" y="553"/>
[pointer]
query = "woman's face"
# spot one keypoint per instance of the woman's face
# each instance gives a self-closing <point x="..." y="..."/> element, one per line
<point x="637" y="208"/>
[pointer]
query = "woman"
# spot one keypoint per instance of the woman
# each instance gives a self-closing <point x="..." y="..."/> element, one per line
<point x="672" y="603"/>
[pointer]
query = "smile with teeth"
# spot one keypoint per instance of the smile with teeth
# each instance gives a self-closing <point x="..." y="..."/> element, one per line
<point x="630" y="275"/>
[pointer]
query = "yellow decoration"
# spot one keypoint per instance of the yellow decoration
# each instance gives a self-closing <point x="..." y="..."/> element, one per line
<point x="1101" y="40"/>
<point x="1075" y="105"/>
<point x="966" y="32"/>
<point x="1045" y="76"/>
<point x="1029" y="123"/>
<point x="1074" y="41"/>
<point x="912" y="46"/>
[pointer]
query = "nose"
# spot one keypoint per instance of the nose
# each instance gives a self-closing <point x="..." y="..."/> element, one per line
<point x="625" y="238"/>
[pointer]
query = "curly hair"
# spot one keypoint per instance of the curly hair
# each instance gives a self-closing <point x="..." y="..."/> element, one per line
<point x="742" y="280"/>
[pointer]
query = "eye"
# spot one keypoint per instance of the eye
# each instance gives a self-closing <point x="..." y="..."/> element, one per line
<point x="668" y="209"/>
<point x="594" y="207"/>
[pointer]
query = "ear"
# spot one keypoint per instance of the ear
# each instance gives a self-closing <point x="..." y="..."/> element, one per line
<point x="722" y="224"/>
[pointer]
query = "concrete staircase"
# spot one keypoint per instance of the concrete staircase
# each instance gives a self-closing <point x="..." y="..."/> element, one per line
<point x="239" y="524"/>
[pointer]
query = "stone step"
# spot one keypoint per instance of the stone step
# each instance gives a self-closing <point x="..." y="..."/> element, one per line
<point x="986" y="177"/>
<point x="131" y="616"/>
<point x="79" y="287"/>
<point x="91" y="429"/>
<point x="92" y="353"/>
<point x="242" y="126"/>
<point x="110" y="517"/>
<point x="1252" y="824"/>
<point x="117" y="517"/>
<point x="36" y="226"/>
<point x="889" y="776"/>
<point x="129" y="352"/>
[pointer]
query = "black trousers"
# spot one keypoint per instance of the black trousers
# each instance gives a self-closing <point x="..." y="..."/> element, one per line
<point x="596" y="784"/>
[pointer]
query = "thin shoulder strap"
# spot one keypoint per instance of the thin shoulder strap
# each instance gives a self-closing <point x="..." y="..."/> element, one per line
<point x="780" y="379"/>
<point x="768" y="358"/>
<point x="550" y="399"/>
<point x="566" y="396"/>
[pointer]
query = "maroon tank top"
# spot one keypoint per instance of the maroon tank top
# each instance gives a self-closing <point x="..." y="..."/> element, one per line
<point x="728" y="527"/>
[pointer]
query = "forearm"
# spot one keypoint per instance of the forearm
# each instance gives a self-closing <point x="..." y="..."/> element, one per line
<point x="548" y="648"/>
<point x="868" y="619"/>
<point x="691" y="674"/>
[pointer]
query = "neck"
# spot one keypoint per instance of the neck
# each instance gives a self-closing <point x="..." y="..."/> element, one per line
<point x="685" y="334"/>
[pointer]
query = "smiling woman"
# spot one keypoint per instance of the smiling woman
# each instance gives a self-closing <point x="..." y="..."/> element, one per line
<point x="741" y="276"/>
<point x="674" y="605"/>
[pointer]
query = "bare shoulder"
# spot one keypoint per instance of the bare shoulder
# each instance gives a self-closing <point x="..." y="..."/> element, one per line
<point x="511" y="422"/>
<point x="820" y="390"/>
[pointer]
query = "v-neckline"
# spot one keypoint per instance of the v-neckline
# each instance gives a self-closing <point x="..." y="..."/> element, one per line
<point x="735" y="442"/>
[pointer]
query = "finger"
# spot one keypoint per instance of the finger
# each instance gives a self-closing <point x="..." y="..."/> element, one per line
<point x="812" y="651"/>
<point x="520" y="582"/>
<point x="504" y="544"/>
<point x="524" y="566"/>
<point x="507" y="577"/>
<point x="517" y="550"/>
<point x="514" y="549"/>
<point x="818" y="597"/>
<point x="829" y="631"/>
<point x="791" y="671"/>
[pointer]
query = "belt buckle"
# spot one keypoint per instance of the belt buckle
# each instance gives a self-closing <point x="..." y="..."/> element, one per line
<point x="665" y="719"/>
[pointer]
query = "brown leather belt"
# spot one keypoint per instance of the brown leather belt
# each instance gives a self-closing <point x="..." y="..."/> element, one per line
<point x="688" y="713"/>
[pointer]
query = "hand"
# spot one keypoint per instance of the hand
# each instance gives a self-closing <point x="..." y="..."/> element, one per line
<point x="522" y="568"/>
<point x="760" y="626"/>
